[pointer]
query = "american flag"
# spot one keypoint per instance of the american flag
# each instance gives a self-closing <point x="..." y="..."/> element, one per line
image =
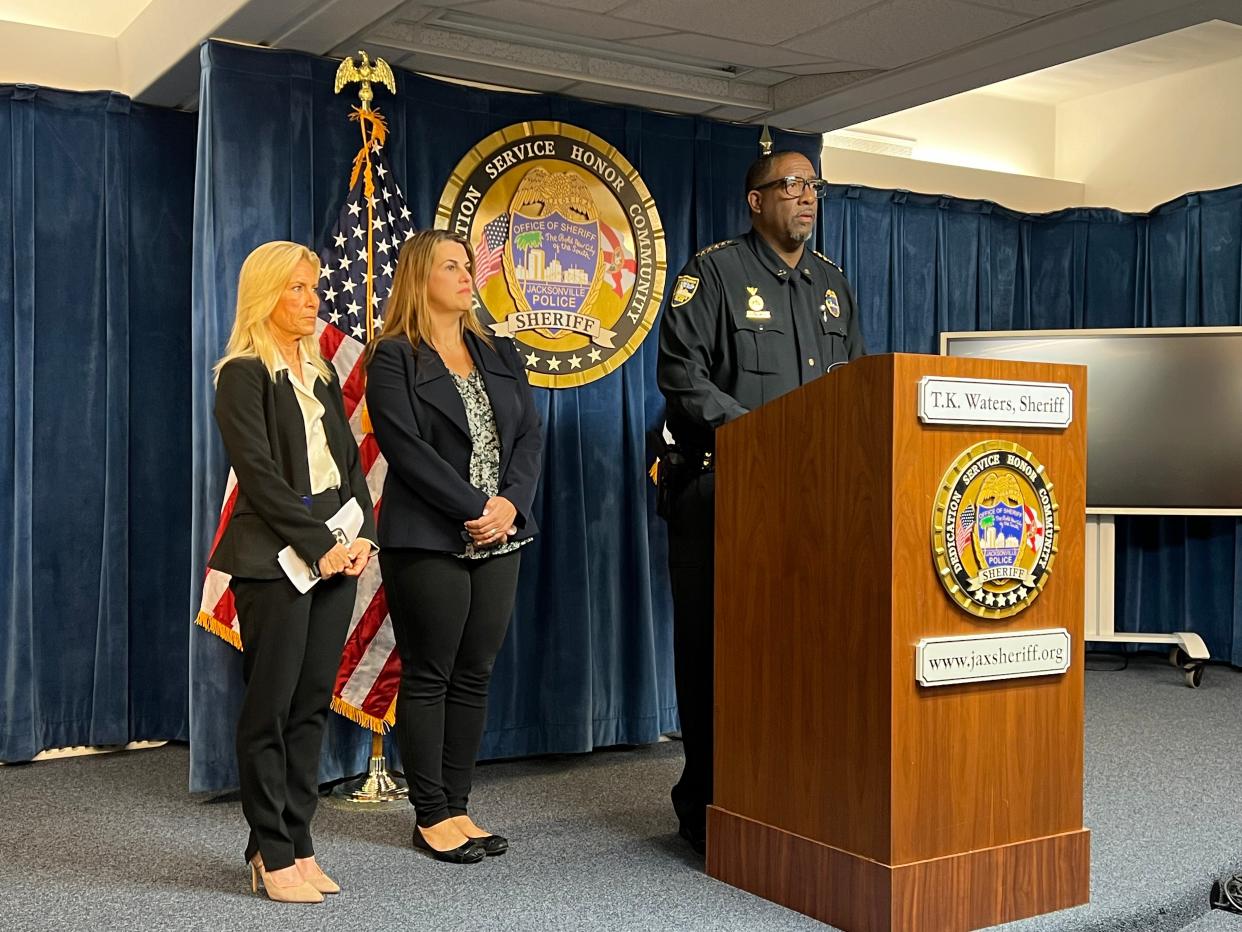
<point x="965" y="525"/>
<point x="490" y="249"/>
<point x="369" y="674"/>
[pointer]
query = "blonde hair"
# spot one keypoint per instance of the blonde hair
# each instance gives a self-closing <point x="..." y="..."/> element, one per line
<point x="264" y="276"/>
<point x="406" y="313"/>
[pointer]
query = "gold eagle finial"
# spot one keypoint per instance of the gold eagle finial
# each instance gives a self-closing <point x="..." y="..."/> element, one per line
<point x="367" y="72"/>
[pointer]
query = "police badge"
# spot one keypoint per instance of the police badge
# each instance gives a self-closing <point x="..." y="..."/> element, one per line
<point x="684" y="290"/>
<point x="569" y="248"/>
<point x="755" y="309"/>
<point x="994" y="529"/>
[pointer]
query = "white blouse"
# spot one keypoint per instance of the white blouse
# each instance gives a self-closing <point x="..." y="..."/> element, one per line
<point x="323" y="472"/>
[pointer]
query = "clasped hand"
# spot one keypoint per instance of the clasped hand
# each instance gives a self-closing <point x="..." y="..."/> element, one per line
<point x="351" y="560"/>
<point x="495" y="525"/>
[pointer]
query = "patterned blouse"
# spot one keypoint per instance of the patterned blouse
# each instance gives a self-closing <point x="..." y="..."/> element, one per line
<point x="485" y="455"/>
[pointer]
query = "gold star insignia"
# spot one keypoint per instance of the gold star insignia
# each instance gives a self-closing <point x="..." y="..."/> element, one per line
<point x="594" y="354"/>
<point x="575" y="361"/>
<point x="532" y="360"/>
<point x="554" y="364"/>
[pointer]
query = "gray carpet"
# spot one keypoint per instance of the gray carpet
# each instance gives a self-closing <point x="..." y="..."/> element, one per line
<point x="115" y="842"/>
<point x="1216" y="921"/>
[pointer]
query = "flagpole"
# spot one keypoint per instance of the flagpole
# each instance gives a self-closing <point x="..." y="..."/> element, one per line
<point x="370" y="192"/>
<point x="378" y="784"/>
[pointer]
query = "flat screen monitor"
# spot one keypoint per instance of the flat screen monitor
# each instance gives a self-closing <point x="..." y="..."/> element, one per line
<point x="1164" y="411"/>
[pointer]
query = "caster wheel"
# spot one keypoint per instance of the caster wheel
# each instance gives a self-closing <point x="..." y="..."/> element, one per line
<point x="1177" y="657"/>
<point x="1193" y="673"/>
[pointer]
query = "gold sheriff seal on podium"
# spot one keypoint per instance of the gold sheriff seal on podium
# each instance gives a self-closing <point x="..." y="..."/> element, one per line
<point x="994" y="529"/>
<point x="569" y="249"/>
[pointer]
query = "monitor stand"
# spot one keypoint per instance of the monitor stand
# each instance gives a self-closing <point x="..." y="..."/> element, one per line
<point x="1187" y="651"/>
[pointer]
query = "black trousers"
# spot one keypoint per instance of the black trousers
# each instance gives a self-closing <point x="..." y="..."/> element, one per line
<point x="291" y="648"/>
<point x="691" y="569"/>
<point x="449" y="616"/>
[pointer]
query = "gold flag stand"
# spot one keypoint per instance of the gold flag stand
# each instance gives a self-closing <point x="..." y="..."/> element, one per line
<point x="377" y="785"/>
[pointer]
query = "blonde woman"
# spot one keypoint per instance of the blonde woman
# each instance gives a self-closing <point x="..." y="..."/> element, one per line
<point x="280" y="412"/>
<point x="454" y="417"/>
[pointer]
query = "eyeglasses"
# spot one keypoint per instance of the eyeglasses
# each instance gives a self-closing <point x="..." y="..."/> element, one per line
<point x="793" y="186"/>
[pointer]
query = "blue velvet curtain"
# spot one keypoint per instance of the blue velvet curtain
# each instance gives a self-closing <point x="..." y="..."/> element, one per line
<point x="104" y="386"/>
<point x="588" y="659"/>
<point x="96" y="201"/>
<point x="924" y="264"/>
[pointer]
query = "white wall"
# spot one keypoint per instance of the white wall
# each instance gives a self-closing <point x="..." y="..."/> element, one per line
<point x="1017" y="192"/>
<point x="1148" y="143"/>
<point x="155" y="41"/>
<point x="1131" y="148"/>
<point x="75" y="61"/>
<point x="973" y="145"/>
<point x="978" y="130"/>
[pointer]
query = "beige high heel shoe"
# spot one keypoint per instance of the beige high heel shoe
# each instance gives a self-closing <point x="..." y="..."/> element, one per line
<point x="301" y="892"/>
<point x="313" y="874"/>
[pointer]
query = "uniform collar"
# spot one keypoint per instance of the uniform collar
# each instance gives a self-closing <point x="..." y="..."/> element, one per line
<point x="775" y="264"/>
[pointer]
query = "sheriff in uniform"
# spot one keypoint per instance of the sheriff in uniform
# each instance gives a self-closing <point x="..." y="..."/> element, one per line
<point x="749" y="319"/>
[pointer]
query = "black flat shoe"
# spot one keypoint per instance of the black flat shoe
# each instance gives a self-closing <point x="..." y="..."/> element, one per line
<point x="492" y="845"/>
<point x="698" y="840"/>
<point x="469" y="853"/>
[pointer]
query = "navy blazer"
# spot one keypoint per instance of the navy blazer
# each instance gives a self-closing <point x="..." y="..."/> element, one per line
<point x="265" y="436"/>
<point x="420" y="424"/>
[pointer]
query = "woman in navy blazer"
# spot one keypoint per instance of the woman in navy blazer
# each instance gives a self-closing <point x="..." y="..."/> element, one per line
<point x="455" y="419"/>
<point x="279" y="408"/>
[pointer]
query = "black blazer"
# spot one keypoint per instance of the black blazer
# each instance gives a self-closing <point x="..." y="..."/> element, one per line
<point x="420" y="424"/>
<point x="265" y="436"/>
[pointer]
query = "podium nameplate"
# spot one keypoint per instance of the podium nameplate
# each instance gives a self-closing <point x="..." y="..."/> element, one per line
<point x="978" y="658"/>
<point x="995" y="402"/>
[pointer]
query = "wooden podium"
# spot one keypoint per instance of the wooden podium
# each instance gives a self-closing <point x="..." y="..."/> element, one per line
<point x="844" y="789"/>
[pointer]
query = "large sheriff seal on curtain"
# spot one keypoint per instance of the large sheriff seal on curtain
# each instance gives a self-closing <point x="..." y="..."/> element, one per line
<point x="569" y="248"/>
<point x="994" y="529"/>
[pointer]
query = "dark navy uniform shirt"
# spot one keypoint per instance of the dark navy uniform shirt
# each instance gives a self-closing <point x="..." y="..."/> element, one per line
<point x="741" y="328"/>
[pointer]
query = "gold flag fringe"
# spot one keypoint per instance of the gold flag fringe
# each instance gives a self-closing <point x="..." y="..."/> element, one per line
<point x="218" y="628"/>
<point x="366" y="719"/>
<point x="339" y="705"/>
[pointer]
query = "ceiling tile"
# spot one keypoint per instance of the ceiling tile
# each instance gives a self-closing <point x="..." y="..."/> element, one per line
<point x="564" y="21"/>
<point x="1158" y="57"/>
<point x="591" y="6"/>
<point x="1031" y="7"/>
<point x="763" y="77"/>
<point x="822" y="67"/>
<point x="722" y="51"/>
<point x="487" y="74"/>
<point x="765" y="23"/>
<point x="620" y="95"/>
<point x="900" y="32"/>
<point x="734" y="114"/>
<point x="401" y="11"/>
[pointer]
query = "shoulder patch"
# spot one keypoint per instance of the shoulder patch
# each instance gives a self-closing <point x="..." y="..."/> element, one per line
<point x="684" y="290"/>
<point x="829" y="261"/>
<point x="723" y="244"/>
